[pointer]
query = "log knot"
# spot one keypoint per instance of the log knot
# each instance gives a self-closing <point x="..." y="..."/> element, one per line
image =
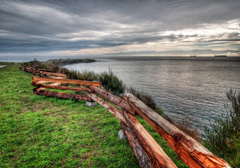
<point x="178" y="137"/>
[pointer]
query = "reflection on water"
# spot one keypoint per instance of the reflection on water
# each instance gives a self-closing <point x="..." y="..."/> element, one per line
<point x="190" y="90"/>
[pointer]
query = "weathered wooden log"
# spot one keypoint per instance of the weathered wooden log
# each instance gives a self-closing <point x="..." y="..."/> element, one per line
<point x="42" y="70"/>
<point x="35" y="83"/>
<point x="43" y="88"/>
<point x="39" y="89"/>
<point x="62" y="95"/>
<point x="157" y="156"/>
<point x="138" y="150"/>
<point x="110" y="108"/>
<point x="68" y="81"/>
<point x="113" y="99"/>
<point x="61" y="87"/>
<point x="28" y="69"/>
<point x="54" y="74"/>
<point x="56" y="77"/>
<point x="194" y="154"/>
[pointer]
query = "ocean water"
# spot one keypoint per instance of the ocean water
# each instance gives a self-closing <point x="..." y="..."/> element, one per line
<point x="192" y="91"/>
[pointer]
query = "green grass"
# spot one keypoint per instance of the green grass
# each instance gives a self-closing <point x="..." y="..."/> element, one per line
<point x="39" y="131"/>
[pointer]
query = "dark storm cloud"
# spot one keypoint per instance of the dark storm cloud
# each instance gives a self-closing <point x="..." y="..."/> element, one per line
<point x="72" y="25"/>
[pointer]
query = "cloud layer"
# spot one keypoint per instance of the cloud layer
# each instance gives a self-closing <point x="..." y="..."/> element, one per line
<point x="134" y="27"/>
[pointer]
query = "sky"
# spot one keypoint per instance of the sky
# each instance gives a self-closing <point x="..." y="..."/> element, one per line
<point x="119" y="27"/>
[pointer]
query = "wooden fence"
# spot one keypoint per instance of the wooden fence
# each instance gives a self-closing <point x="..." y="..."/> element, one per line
<point x="146" y="150"/>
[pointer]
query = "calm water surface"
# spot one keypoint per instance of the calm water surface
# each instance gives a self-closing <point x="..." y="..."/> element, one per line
<point x="187" y="90"/>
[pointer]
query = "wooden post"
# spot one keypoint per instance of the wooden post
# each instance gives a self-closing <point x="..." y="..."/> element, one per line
<point x="188" y="149"/>
<point x="113" y="99"/>
<point x="137" y="148"/>
<point x="156" y="155"/>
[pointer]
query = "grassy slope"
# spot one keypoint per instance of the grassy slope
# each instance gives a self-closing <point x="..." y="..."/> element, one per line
<point x="40" y="131"/>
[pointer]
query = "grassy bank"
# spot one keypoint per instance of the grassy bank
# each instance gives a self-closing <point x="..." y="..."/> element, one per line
<point x="40" y="131"/>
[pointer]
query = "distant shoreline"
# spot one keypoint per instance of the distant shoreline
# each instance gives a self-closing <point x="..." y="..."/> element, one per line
<point x="63" y="62"/>
<point x="207" y="58"/>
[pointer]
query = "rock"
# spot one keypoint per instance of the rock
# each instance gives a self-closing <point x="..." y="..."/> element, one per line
<point x="121" y="135"/>
<point x="89" y="104"/>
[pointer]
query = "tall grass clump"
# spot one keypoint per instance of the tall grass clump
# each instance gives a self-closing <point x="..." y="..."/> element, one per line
<point x="112" y="83"/>
<point x="224" y="136"/>
<point x="86" y="75"/>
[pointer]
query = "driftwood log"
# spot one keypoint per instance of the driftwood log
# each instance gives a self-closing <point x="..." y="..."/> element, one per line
<point x="157" y="156"/>
<point x="188" y="149"/>
<point x="113" y="99"/>
<point x="62" y="95"/>
<point x="137" y="148"/>
<point x="67" y="81"/>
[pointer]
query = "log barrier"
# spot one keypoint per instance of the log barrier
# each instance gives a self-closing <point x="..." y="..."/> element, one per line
<point x="146" y="150"/>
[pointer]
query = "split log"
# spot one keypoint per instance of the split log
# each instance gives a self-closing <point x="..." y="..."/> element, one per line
<point x="194" y="154"/>
<point x="110" y="108"/>
<point x="54" y="74"/>
<point x="156" y="155"/>
<point x="61" y="87"/>
<point x="62" y="95"/>
<point x="138" y="150"/>
<point x="113" y="99"/>
<point x="68" y="81"/>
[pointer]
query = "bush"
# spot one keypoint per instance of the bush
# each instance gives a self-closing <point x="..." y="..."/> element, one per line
<point x="223" y="137"/>
<point x="112" y="83"/>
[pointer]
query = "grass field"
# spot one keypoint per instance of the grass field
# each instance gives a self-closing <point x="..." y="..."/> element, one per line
<point x="40" y="131"/>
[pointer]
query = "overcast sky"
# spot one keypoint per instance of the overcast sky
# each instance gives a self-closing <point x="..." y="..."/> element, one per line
<point x="119" y="27"/>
